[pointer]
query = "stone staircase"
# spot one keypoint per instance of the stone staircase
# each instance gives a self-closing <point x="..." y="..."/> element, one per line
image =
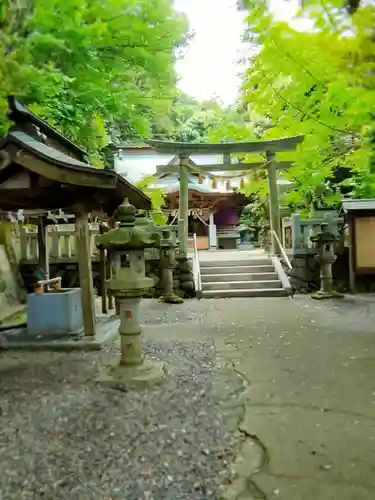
<point x="254" y="277"/>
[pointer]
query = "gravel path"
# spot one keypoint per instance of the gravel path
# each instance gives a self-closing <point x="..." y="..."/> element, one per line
<point x="63" y="437"/>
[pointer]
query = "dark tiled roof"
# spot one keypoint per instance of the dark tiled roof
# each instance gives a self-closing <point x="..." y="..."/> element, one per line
<point x="43" y="150"/>
<point x="53" y="155"/>
<point x="18" y="111"/>
<point x="49" y="154"/>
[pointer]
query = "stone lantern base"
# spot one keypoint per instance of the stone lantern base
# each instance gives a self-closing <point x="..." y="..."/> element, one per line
<point x="321" y="295"/>
<point x="126" y="378"/>
<point x="171" y="298"/>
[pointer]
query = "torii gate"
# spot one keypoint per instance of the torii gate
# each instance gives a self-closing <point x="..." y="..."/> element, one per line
<point x="185" y="150"/>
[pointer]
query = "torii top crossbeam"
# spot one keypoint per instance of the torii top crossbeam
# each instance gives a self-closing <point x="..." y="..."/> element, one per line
<point x="269" y="147"/>
<point x="186" y="148"/>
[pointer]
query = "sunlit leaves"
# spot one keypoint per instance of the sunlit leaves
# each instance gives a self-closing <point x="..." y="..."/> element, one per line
<point x="157" y="197"/>
<point x="96" y="70"/>
<point x="322" y="84"/>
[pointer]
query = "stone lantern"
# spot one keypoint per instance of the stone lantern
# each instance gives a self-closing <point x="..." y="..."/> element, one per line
<point x="129" y="283"/>
<point x="325" y="241"/>
<point x="167" y="264"/>
<point x="141" y="219"/>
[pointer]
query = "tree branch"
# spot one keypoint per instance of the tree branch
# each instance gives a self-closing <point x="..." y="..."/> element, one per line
<point x="292" y="58"/>
<point x="330" y="18"/>
<point x="311" y="117"/>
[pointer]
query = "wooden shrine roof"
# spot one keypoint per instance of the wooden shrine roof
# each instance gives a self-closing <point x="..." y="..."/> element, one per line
<point x="186" y="148"/>
<point x="37" y="172"/>
<point x="353" y="205"/>
<point x="44" y="151"/>
<point x="22" y="116"/>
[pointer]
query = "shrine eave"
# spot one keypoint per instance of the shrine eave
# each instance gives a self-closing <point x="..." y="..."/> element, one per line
<point x="19" y="113"/>
<point x="61" y="170"/>
<point x="271" y="146"/>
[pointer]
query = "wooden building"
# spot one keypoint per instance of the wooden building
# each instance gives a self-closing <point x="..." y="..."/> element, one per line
<point x="360" y="219"/>
<point x="214" y="203"/>
<point x="41" y="170"/>
<point x="213" y="214"/>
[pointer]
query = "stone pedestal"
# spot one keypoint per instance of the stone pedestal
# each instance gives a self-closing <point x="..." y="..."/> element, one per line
<point x="185" y="276"/>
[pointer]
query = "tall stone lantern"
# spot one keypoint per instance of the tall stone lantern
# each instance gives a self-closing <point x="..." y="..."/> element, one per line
<point x="325" y="241"/>
<point x="127" y="245"/>
<point x="168" y="263"/>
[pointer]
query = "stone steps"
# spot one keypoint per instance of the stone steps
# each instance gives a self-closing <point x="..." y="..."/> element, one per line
<point x="254" y="277"/>
<point x="257" y="292"/>
<point x="241" y="285"/>
<point x="210" y="278"/>
<point x="252" y="262"/>
<point x="236" y="269"/>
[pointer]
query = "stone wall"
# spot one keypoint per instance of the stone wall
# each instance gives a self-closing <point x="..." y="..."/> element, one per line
<point x="183" y="279"/>
<point x="304" y="276"/>
<point x="10" y="286"/>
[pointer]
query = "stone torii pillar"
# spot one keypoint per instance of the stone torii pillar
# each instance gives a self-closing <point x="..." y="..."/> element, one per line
<point x="273" y="201"/>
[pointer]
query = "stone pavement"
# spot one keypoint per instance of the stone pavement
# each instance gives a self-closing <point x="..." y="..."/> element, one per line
<point x="308" y="425"/>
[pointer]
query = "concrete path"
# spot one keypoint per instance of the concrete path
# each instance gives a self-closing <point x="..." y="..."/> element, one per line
<point x="308" y="429"/>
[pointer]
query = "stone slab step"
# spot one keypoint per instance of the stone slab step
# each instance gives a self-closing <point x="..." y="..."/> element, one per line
<point x="242" y="285"/>
<point x="239" y="277"/>
<point x="267" y="268"/>
<point x="257" y="292"/>
<point x="263" y="261"/>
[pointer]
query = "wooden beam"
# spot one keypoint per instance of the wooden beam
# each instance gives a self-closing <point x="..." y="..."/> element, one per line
<point x="272" y="146"/>
<point x="352" y="256"/>
<point x="85" y="274"/>
<point x="223" y="167"/>
<point x="184" y="204"/>
<point x="67" y="175"/>
<point x="5" y="159"/>
<point x="112" y="225"/>
<point x="43" y="259"/>
<point x="103" y="272"/>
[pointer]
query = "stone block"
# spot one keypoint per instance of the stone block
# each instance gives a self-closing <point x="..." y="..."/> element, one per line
<point x="56" y="313"/>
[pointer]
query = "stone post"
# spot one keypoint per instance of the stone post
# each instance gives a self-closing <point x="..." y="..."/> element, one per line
<point x="212" y="233"/>
<point x="167" y="264"/>
<point x="127" y="244"/>
<point x="325" y="243"/>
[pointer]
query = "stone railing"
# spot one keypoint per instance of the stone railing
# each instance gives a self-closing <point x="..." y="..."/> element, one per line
<point x="62" y="242"/>
<point x="297" y="232"/>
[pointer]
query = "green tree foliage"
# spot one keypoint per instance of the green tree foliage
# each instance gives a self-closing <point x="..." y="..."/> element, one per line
<point x="321" y="84"/>
<point x="98" y="71"/>
<point x="351" y="5"/>
<point x="192" y="121"/>
<point x="157" y="197"/>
